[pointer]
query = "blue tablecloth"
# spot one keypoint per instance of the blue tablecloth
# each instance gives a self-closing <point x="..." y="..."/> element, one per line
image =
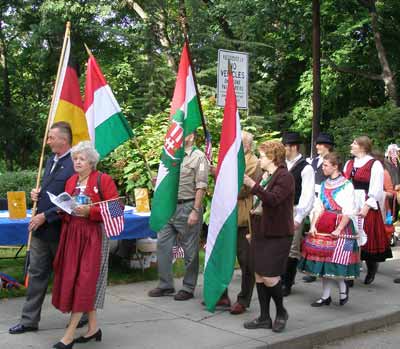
<point x="14" y="232"/>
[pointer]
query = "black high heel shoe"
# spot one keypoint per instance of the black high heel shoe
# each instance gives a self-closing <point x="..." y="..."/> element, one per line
<point x="61" y="345"/>
<point x="97" y="337"/>
<point x="320" y="302"/>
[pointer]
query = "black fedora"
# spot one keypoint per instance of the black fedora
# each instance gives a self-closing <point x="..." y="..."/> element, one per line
<point x="291" y="138"/>
<point x="324" y="138"/>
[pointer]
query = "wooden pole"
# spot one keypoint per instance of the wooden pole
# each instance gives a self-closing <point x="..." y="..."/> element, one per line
<point x="34" y="208"/>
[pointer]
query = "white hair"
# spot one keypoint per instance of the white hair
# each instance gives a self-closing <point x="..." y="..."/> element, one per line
<point x="248" y="138"/>
<point x="86" y="147"/>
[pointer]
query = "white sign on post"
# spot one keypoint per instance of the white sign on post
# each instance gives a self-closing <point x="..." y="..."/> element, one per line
<point x="239" y="63"/>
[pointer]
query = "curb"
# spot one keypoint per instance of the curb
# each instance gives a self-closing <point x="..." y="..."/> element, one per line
<point x="339" y="329"/>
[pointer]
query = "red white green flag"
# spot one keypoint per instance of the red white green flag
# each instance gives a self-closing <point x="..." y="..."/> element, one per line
<point x="222" y="230"/>
<point x="185" y="119"/>
<point x="107" y="126"/>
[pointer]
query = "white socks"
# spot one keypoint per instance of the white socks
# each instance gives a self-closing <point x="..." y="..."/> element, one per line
<point x="326" y="288"/>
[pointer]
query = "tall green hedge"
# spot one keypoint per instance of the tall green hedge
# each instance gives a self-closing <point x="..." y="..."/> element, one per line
<point x="18" y="181"/>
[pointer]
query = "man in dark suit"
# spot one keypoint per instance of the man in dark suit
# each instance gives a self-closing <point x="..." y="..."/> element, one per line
<point x="46" y="225"/>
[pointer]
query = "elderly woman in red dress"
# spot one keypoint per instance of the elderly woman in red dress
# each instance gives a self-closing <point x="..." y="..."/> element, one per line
<point x="367" y="175"/>
<point x="77" y="263"/>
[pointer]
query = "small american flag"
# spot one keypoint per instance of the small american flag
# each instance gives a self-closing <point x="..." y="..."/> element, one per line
<point x="208" y="151"/>
<point x="343" y="250"/>
<point x="112" y="213"/>
<point x="177" y="252"/>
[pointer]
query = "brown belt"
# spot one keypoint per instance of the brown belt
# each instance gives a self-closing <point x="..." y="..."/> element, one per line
<point x="182" y="201"/>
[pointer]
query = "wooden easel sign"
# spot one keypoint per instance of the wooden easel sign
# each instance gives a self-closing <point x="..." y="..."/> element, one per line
<point x="16" y="204"/>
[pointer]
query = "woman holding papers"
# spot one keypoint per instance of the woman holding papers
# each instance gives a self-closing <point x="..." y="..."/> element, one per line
<point x="78" y="259"/>
<point x="367" y="175"/>
<point x="272" y="233"/>
<point x="331" y="250"/>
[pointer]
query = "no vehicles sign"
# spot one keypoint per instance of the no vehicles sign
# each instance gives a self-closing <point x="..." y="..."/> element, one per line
<point x="239" y="63"/>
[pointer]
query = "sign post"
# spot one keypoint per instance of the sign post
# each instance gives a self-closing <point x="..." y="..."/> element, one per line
<point x="240" y="72"/>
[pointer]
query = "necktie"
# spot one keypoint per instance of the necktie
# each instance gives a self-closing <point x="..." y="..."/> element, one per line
<point x="54" y="165"/>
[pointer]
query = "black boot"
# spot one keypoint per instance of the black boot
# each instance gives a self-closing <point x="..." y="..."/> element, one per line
<point x="281" y="313"/>
<point x="289" y="276"/>
<point x="372" y="267"/>
<point x="264" y="320"/>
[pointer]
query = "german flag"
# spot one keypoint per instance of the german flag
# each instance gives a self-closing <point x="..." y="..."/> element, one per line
<point x="68" y="105"/>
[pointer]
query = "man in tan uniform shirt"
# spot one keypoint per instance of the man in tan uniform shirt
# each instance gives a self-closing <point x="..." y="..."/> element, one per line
<point x="184" y="225"/>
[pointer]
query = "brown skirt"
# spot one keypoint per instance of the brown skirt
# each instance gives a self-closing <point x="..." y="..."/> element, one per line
<point x="268" y="256"/>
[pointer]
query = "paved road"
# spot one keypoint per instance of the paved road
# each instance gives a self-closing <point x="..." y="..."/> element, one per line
<point x="383" y="338"/>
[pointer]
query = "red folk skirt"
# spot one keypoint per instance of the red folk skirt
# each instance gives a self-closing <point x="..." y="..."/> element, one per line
<point x="377" y="248"/>
<point x="77" y="265"/>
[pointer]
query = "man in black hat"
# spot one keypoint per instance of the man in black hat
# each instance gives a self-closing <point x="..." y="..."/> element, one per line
<point x="304" y="180"/>
<point x="324" y="145"/>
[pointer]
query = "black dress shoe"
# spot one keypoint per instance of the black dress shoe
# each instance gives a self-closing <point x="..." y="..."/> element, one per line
<point x="61" y="345"/>
<point x="160" y="292"/>
<point x="309" y="278"/>
<point x="19" y="328"/>
<point x="257" y="323"/>
<point x="320" y="302"/>
<point x="97" y="337"/>
<point x="183" y="295"/>
<point x="369" y="278"/>
<point x="286" y="290"/>
<point x="280" y="322"/>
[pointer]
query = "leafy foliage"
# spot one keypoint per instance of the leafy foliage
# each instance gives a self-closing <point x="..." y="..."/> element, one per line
<point x="139" y="52"/>
<point x="20" y="181"/>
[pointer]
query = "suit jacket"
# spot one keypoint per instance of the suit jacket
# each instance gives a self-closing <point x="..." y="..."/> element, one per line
<point x="277" y="203"/>
<point x="54" y="183"/>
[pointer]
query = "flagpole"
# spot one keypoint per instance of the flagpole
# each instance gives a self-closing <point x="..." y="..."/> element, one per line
<point x="186" y="36"/>
<point x="66" y="37"/>
<point x="135" y="141"/>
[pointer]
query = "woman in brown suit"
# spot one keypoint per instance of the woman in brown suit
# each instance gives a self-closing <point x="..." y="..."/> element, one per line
<point x="272" y="233"/>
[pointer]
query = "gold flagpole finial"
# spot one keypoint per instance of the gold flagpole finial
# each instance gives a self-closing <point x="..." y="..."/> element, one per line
<point x="88" y="50"/>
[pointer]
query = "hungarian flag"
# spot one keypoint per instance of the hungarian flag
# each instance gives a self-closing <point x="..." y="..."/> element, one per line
<point x="185" y="118"/>
<point x="222" y="230"/>
<point x="68" y="104"/>
<point x="107" y="125"/>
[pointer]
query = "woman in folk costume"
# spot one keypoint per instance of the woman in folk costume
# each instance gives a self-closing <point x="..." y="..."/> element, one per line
<point x="367" y="175"/>
<point x="331" y="249"/>
<point x="78" y="260"/>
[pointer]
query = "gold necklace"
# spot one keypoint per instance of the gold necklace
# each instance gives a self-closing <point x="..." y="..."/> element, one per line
<point x="81" y="180"/>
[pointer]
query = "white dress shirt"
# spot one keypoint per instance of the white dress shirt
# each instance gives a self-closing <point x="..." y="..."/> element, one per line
<point x="375" y="192"/>
<point x="306" y="201"/>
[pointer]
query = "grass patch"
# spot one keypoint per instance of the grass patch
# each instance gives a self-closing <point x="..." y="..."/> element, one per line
<point x="119" y="272"/>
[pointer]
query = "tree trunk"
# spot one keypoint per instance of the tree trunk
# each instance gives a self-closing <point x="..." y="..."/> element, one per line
<point x="159" y="30"/>
<point x="387" y="74"/>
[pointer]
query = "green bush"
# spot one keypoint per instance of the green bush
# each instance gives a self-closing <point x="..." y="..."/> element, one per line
<point x="127" y="165"/>
<point x="18" y="181"/>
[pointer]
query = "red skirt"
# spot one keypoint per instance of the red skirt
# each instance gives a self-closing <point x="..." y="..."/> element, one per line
<point x="77" y="265"/>
<point x="377" y="247"/>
